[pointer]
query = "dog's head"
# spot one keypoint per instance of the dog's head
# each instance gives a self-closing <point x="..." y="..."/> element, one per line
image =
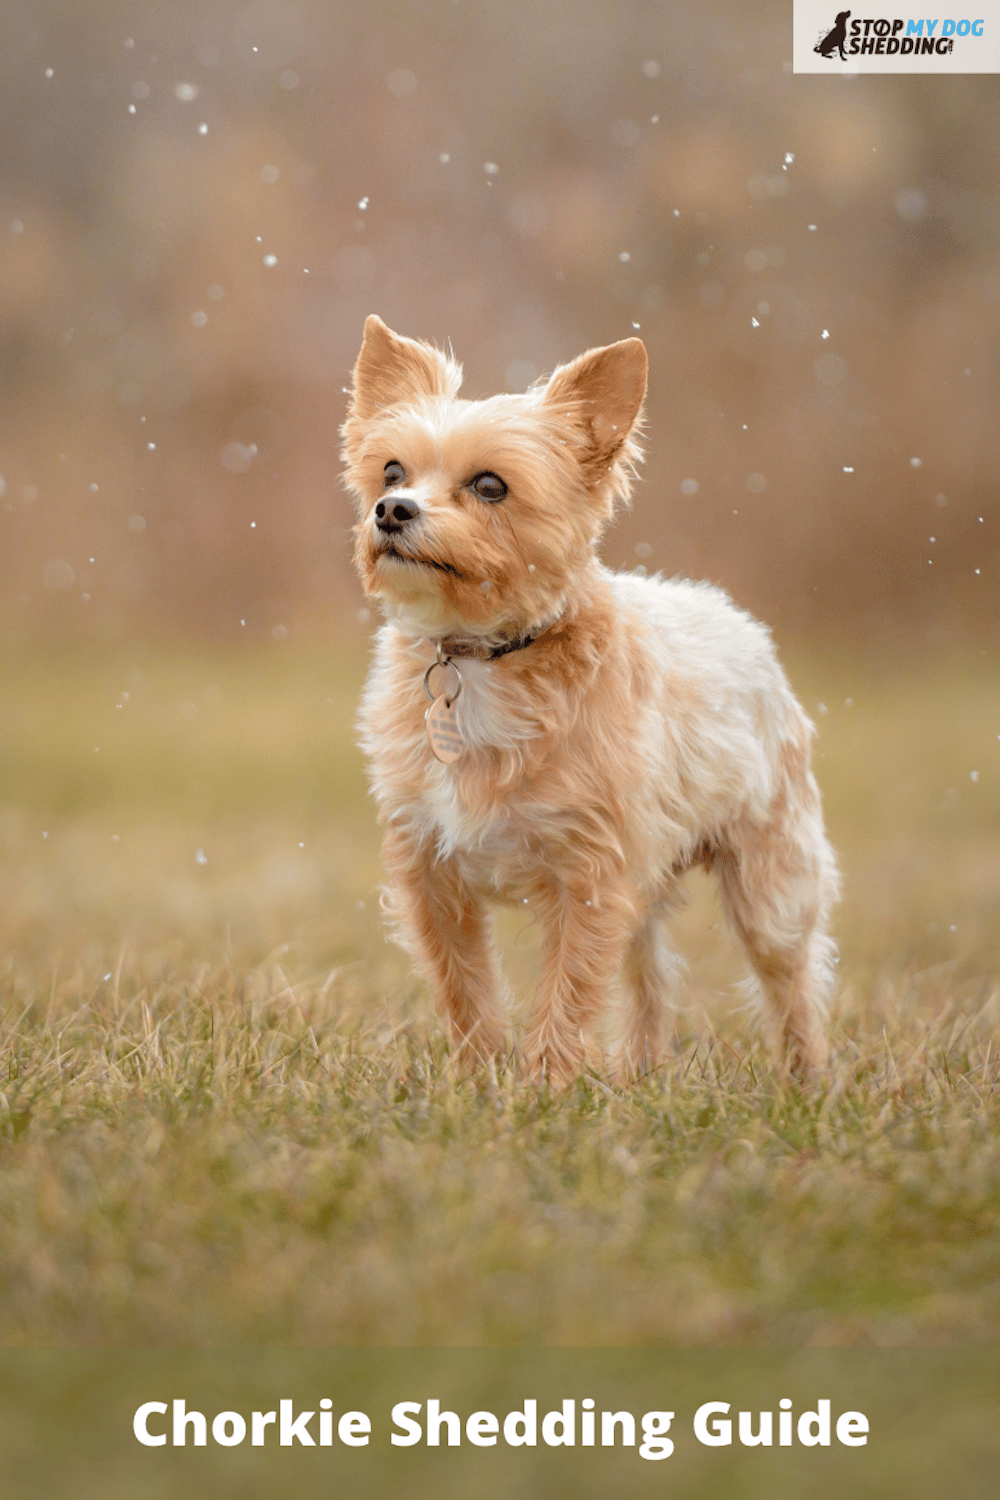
<point x="480" y="514"/>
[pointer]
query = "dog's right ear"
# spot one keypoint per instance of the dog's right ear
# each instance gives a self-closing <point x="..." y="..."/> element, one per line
<point x="603" y="392"/>
<point x="391" y="369"/>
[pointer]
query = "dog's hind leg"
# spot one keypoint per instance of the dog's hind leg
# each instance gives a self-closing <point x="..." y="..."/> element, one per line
<point x="441" y="923"/>
<point x="652" y="972"/>
<point x="779" y="882"/>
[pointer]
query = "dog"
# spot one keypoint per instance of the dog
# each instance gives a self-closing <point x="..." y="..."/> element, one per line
<point x="590" y="736"/>
<point x="835" y="38"/>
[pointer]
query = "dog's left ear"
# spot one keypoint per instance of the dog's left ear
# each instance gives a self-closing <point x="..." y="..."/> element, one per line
<point x="603" y="390"/>
<point x="391" y="368"/>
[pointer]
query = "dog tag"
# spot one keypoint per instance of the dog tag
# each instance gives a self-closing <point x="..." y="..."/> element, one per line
<point x="442" y="731"/>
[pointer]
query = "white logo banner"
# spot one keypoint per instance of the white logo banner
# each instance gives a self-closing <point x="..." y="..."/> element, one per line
<point x="880" y="39"/>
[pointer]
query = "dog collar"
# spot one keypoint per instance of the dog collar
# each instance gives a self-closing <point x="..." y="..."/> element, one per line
<point x="482" y="648"/>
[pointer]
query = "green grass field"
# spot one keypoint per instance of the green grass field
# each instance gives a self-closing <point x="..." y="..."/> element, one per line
<point x="228" y="1115"/>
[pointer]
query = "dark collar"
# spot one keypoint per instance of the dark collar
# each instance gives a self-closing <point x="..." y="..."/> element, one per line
<point x="483" y="648"/>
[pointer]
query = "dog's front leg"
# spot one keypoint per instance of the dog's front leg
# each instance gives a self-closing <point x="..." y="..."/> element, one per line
<point x="449" y="934"/>
<point x="585" y="938"/>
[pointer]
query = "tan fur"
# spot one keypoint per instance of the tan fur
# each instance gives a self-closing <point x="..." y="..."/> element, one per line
<point x="648" y="729"/>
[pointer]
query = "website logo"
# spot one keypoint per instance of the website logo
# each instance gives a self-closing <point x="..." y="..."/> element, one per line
<point x="894" y="42"/>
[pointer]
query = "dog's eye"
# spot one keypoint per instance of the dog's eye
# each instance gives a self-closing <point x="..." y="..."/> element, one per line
<point x="394" y="472"/>
<point x="489" y="487"/>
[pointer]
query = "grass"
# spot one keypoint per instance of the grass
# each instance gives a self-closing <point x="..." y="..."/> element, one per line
<point x="227" y="1114"/>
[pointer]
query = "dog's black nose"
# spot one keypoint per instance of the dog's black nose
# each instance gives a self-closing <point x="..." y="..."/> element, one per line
<point x="394" y="514"/>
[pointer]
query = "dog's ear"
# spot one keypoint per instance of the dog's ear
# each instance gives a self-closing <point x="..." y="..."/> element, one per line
<point x="391" y="368"/>
<point x="603" y="391"/>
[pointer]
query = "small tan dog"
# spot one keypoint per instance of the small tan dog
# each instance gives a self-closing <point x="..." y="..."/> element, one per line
<point x="591" y="736"/>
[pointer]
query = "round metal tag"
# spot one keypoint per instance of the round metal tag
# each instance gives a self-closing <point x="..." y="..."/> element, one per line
<point x="442" y="731"/>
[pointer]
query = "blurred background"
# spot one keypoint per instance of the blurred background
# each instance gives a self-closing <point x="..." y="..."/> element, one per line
<point x="200" y="203"/>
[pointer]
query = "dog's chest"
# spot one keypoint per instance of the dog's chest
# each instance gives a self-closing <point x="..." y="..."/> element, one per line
<point x="479" y="808"/>
<point x="496" y="845"/>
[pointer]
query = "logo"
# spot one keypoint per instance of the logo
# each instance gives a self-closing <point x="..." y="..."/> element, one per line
<point x="847" y="40"/>
<point x="881" y="37"/>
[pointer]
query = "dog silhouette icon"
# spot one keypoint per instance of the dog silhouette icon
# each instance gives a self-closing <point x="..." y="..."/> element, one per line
<point x="835" y="38"/>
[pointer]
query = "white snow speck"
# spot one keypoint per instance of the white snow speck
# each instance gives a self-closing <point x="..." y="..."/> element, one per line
<point x="237" y="457"/>
<point x="624" y="256"/>
<point x="915" y="463"/>
<point x="973" y="775"/>
<point x="911" y="204"/>
<point x="689" y="486"/>
<point x="49" y="72"/>
<point x="811" y="226"/>
<point x="754" y="323"/>
<point x="789" y="158"/>
<point x="203" y="128"/>
<point x="93" y="490"/>
<point x="363" y="204"/>
<point x="201" y="858"/>
<point x="151" y="447"/>
<point x="490" y="168"/>
<point x="185" y="92"/>
<point x="131" y="109"/>
<point x="444" y="158"/>
<point x="651" y="68"/>
<point x="270" y="260"/>
<point x="401" y="83"/>
<point x="847" y="469"/>
<point x="825" y="334"/>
